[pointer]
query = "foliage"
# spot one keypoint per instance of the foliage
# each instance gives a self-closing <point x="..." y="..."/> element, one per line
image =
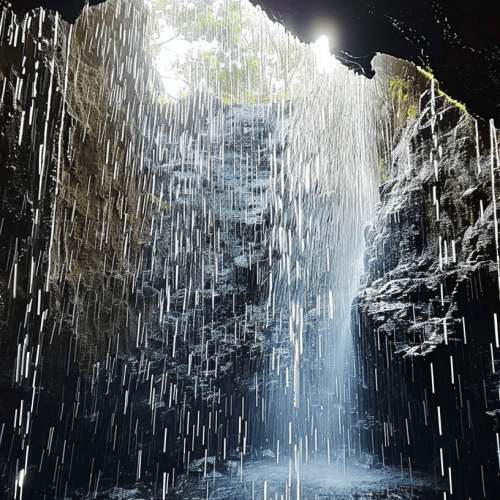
<point x="427" y="72"/>
<point x="402" y="90"/>
<point x="451" y="101"/>
<point x="404" y="98"/>
<point x="236" y="51"/>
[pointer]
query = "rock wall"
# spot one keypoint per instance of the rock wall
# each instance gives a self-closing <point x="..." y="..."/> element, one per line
<point x="427" y="314"/>
<point x="132" y="254"/>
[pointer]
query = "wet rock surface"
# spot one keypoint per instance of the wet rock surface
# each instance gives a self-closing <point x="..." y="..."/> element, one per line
<point x="176" y="282"/>
<point x="427" y="314"/>
<point x="317" y="480"/>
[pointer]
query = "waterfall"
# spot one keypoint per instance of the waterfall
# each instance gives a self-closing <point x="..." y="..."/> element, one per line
<point x="326" y="181"/>
<point x="177" y="273"/>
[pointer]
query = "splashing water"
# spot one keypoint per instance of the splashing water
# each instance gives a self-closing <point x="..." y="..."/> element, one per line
<point x="179" y="273"/>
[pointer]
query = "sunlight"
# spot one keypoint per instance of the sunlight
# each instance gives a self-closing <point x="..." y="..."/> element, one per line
<point x="174" y="49"/>
<point x="246" y="57"/>
<point x="324" y="58"/>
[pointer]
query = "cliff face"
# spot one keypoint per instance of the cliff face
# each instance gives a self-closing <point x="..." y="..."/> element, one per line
<point x="70" y="158"/>
<point x="132" y="246"/>
<point x="426" y="316"/>
<point x="77" y="173"/>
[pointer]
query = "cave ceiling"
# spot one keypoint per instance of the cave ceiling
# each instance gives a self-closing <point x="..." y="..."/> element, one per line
<point x="458" y="39"/>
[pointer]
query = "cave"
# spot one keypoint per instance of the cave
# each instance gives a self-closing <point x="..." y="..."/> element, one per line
<point x="249" y="250"/>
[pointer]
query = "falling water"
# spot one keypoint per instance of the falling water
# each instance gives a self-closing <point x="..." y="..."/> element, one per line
<point x="177" y="275"/>
<point x="325" y="192"/>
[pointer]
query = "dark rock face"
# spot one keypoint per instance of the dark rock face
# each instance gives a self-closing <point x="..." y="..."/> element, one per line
<point x="126" y="262"/>
<point x="428" y="311"/>
<point x="69" y="10"/>
<point x="63" y="286"/>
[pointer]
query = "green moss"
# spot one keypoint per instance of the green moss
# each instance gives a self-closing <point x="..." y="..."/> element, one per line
<point x="383" y="176"/>
<point x="428" y="74"/>
<point x="399" y="89"/>
<point x="451" y="101"/>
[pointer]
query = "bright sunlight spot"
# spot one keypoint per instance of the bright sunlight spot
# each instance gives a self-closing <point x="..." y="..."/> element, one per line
<point x="324" y="58"/>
